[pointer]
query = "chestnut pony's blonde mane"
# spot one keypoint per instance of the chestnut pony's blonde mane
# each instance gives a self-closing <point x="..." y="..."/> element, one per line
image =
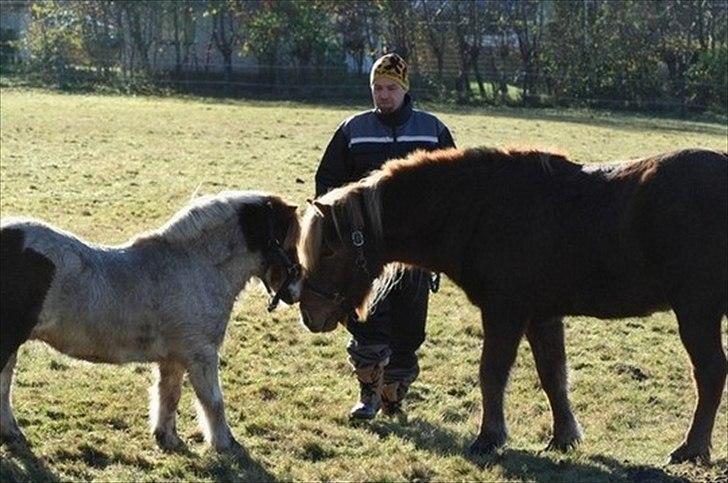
<point x="346" y="211"/>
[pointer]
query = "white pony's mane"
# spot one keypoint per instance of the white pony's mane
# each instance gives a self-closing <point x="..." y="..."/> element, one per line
<point x="202" y="215"/>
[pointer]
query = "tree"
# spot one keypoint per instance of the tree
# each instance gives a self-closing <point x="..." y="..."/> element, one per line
<point x="462" y="84"/>
<point x="266" y="29"/>
<point x="181" y="21"/>
<point x="54" y="40"/>
<point x="226" y="19"/>
<point x="469" y="31"/>
<point x="102" y="35"/>
<point x="310" y="34"/>
<point x="569" y="49"/>
<point x="477" y="14"/>
<point x="357" y="23"/>
<point x="526" y="18"/>
<point x="433" y="14"/>
<point x="399" y="29"/>
<point x="142" y="19"/>
<point x="499" y="56"/>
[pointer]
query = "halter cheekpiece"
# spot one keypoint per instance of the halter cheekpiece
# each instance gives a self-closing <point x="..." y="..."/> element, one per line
<point x="274" y="251"/>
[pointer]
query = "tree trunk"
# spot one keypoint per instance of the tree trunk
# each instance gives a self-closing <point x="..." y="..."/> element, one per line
<point x="228" y="59"/>
<point x="177" y="46"/>
<point x="479" y="79"/>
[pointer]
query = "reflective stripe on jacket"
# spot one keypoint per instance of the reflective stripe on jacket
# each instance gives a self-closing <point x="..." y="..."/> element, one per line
<point x="363" y="143"/>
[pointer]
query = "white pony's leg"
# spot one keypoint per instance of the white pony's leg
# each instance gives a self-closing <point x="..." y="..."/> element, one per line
<point x="163" y="400"/>
<point x="9" y="430"/>
<point x="203" y="375"/>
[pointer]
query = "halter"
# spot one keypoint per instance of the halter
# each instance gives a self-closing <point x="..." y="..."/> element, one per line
<point x="274" y="250"/>
<point x="360" y="262"/>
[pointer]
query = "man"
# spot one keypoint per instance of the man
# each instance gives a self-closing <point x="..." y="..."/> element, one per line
<point x="382" y="350"/>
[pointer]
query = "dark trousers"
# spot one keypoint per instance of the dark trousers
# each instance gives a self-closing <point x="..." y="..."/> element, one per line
<point x="394" y="330"/>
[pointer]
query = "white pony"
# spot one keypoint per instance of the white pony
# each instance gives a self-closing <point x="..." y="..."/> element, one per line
<point x="164" y="297"/>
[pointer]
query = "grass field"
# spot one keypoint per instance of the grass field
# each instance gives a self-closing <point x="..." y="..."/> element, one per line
<point x="110" y="167"/>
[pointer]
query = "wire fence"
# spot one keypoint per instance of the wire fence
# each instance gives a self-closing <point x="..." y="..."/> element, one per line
<point x="336" y="83"/>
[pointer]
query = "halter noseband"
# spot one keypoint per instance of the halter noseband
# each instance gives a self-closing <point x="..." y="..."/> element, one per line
<point x="274" y="250"/>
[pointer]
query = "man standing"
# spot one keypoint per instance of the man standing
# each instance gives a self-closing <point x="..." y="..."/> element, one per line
<point x="382" y="350"/>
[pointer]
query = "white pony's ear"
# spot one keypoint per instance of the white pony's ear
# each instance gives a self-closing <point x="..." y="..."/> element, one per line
<point x="290" y="208"/>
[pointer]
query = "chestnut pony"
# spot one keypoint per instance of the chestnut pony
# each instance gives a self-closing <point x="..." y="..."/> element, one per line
<point x="531" y="237"/>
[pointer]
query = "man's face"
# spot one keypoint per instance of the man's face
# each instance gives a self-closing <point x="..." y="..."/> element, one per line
<point x="387" y="95"/>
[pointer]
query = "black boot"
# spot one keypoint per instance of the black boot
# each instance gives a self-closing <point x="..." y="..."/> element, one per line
<point x="371" y="381"/>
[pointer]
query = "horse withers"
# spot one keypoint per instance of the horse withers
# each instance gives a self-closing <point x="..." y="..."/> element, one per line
<point x="164" y="297"/>
<point x="531" y="237"/>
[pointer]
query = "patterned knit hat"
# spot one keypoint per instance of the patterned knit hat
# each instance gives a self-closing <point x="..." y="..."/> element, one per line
<point x="393" y="67"/>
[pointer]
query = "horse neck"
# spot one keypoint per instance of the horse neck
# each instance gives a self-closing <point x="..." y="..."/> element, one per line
<point x="229" y="253"/>
<point x="418" y="222"/>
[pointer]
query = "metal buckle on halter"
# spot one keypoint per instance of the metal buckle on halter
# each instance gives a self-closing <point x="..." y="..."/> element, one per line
<point x="357" y="238"/>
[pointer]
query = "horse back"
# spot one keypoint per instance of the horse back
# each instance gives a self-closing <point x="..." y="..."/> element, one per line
<point x="681" y="216"/>
<point x="660" y="230"/>
<point x="605" y="241"/>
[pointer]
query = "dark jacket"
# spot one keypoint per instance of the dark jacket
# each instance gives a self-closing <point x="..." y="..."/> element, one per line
<point x="363" y="143"/>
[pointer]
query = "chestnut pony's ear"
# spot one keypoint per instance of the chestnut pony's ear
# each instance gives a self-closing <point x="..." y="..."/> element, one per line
<point x="319" y="207"/>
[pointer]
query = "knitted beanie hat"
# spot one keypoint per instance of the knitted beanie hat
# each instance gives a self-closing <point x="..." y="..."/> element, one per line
<point x="393" y="67"/>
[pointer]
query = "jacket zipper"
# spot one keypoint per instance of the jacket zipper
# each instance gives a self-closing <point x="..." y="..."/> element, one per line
<point x="394" y="142"/>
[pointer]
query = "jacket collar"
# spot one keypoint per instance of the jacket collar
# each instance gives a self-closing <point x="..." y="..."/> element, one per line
<point x="398" y="117"/>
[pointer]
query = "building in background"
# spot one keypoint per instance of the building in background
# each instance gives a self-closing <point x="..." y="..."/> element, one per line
<point x="14" y="21"/>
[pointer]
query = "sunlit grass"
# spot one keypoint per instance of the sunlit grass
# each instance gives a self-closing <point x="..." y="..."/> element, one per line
<point x="110" y="167"/>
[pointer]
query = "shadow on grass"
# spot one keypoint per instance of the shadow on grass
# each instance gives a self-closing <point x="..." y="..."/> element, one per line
<point x="518" y="464"/>
<point x="422" y="434"/>
<point x="20" y="464"/>
<point x="536" y="467"/>
<point x="236" y="465"/>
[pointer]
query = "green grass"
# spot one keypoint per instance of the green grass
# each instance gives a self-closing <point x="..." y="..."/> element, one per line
<point x="513" y="92"/>
<point x="110" y="167"/>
